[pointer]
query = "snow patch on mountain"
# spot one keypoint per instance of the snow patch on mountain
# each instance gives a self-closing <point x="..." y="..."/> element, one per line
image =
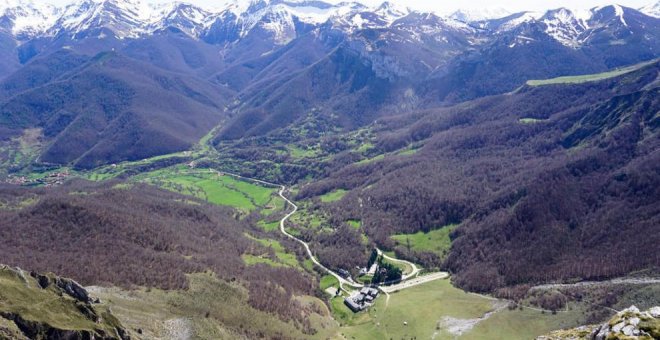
<point x="618" y="10"/>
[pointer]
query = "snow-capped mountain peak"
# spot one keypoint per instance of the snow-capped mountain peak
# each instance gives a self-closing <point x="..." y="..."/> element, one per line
<point x="25" y="19"/>
<point x="391" y="10"/>
<point x="188" y="18"/>
<point x="479" y="14"/>
<point x="565" y="26"/>
<point x="125" y="18"/>
<point x="652" y="9"/>
<point x="518" y="19"/>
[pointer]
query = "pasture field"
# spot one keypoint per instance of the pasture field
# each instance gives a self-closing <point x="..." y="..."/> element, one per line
<point x="333" y="196"/>
<point x="589" y="77"/>
<point x="437" y="310"/>
<point x="328" y="281"/>
<point x="212" y="187"/>
<point x="436" y="241"/>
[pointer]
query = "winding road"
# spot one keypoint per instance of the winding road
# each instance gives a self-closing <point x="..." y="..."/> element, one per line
<point x="406" y="283"/>
<point x="342" y="281"/>
<point x="415" y="270"/>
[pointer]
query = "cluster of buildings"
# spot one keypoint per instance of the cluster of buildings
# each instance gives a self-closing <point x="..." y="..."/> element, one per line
<point x="361" y="300"/>
<point x="53" y="179"/>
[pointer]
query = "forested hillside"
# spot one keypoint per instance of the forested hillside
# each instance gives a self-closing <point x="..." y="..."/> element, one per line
<point x="551" y="182"/>
<point x="114" y="234"/>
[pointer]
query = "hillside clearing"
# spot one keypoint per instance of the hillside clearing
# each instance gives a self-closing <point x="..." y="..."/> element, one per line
<point x="435" y="241"/>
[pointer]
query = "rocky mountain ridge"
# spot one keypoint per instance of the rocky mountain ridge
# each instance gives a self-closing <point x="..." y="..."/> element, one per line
<point x="45" y="306"/>
<point x="25" y="20"/>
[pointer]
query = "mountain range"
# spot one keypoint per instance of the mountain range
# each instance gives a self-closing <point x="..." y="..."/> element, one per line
<point x="25" y="20"/>
<point x="262" y="65"/>
<point x="516" y="152"/>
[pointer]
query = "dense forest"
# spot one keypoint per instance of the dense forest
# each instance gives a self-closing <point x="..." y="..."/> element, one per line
<point x="549" y="183"/>
<point x="139" y="236"/>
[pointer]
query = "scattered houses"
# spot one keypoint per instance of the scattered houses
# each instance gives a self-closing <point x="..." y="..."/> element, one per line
<point x="56" y="178"/>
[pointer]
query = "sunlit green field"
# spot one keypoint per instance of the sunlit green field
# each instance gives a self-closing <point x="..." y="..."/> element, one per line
<point x="588" y="77"/>
<point x="435" y="241"/>
<point x="437" y="310"/>
<point x="333" y="196"/>
<point x="212" y="187"/>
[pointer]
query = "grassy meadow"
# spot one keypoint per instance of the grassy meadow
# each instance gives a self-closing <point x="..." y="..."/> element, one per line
<point x="437" y="310"/>
<point x="436" y="241"/>
<point x="589" y="77"/>
<point x="214" y="188"/>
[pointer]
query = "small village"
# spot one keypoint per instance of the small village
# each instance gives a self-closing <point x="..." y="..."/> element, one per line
<point x="377" y="272"/>
<point x="56" y="178"/>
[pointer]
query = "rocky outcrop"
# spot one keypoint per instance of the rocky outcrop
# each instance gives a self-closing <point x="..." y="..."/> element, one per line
<point x="628" y="324"/>
<point x="42" y="306"/>
<point x="70" y="287"/>
<point x="40" y="330"/>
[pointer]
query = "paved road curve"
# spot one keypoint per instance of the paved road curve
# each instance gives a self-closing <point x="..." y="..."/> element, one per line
<point x="414" y="271"/>
<point x="406" y="283"/>
<point x="342" y="281"/>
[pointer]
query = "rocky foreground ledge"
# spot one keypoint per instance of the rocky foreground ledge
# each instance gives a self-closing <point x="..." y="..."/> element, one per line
<point x="37" y="306"/>
<point x="628" y="324"/>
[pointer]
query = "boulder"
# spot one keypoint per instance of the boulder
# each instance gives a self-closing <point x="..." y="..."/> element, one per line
<point x="73" y="289"/>
<point x="628" y="330"/>
<point x="633" y="321"/>
<point x="655" y="312"/>
<point x="618" y="327"/>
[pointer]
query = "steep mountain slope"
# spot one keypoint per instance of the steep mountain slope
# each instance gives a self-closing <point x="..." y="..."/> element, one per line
<point x="114" y="108"/>
<point x="355" y="77"/>
<point x="266" y="48"/>
<point x="547" y="174"/>
<point x="9" y="61"/>
<point x="173" y="50"/>
<point x="26" y="19"/>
